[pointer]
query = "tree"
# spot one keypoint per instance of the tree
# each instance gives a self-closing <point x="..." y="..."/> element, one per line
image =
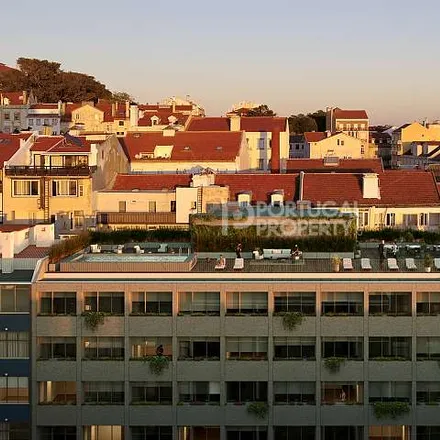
<point x="262" y="110"/>
<point x="50" y="84"/>
<point x="320" y="117"/>
<point x="122" y="97"/>
<point x="299" y="124"/>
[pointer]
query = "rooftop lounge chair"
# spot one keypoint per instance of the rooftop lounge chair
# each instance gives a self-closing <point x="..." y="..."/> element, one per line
<point x="221" y="264"/>
<point x="365" y="264"/>
<point x="410" y="264"/>
<point x="118" y="249"/>
<point x="163" y="248"/>
<point x="239" y="264"/>
<point x="138" y="249"/>
<point x="392" y="264"/>
<point x="347" y="264"/>
<point x="437" y="263"/>
<point x="95" y="248"/>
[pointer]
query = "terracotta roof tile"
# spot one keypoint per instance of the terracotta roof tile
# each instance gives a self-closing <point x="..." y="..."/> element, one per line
<point x="13" y="228"/>
<point x="163" y="116"/>
<point x="349" y="114"/>
<point x="397" y="188"/>
<point x="314" y="136"/>
<point x="187" y="146"/>
<point x="343" y="166"/>
<point x="5" y="68"/>
<point x="145" y="182"/>
<point x="252" y="124"/>
<point x="9" y="145"/>
<point x="15" y="98"/>
<point x="209" y="124"/>
<point x="59" y="144"/>
<point x="33" y="252"/>
<point x="44" y="106"/>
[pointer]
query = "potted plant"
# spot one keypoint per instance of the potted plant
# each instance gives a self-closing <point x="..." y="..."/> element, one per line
<point x="336" y="263"/>
<point x="291" y="320"/>
<point x="427" y="262"/>
<point x="258" y="409"/>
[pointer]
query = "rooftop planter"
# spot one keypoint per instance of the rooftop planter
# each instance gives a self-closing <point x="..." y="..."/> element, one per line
<point x="93" y="320"/>
<point x="157" y="364"/>
<point x="390" y="410"/>
<point x="333" y="364"/>
<point x="258" y="409"/>
<point x="291" y="320"/>
<point x="68" y="247"/>
<point x="402" y="235"/>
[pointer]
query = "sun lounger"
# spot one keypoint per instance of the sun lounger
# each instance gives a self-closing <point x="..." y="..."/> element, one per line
<point x="221" y="265"/>
<point x="410" y="264"/>
<point x="95" y="248"/>
<point x="392" y="264"/>
<point x="347" y="264"/>
<point x="239" y="264"/>
<point x="138" y="249"/>
<point x="437" y="263"/>
<point x="365" y="264"/>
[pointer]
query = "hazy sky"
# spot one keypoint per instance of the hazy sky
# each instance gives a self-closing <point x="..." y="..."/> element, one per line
<point x="296" y="56"/>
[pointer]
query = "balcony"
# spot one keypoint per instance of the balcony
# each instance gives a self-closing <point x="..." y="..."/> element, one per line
<point x="131" y="218"/>
<point x="49" y="171"/>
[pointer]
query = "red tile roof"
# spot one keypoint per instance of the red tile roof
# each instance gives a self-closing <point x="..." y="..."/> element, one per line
<point x="15" y="98"/>
<point x="13" y="228"/>
<point x="252" y="124"/>
<point x="58" y="144"/>
<point x="314" y="136"/>
<point x="151" y="182"/>
<point x="349" y="114"/>
<point x="187" y="146"/>
<point x="163" y="116"/>
<point x="69" y="107"/>
<point x="397" y="188"/>
<point x="33" y="252"/>
<point x="9" y="145"/>
<point x="5" y="68"/>
<point x="44" y="106"/>
<point x="107" y="108"/>
<point x="260" y="186"/>
<point x="343" y="166"/>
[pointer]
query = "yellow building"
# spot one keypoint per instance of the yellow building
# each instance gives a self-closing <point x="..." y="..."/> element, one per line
<point x="54" y="179"/>
<point x="318" y="145"/>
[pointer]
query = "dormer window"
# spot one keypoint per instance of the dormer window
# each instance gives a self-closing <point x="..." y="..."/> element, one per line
<point x="154" y="120"/>
<point x="244" y="200"/>
<point x="277" y="198"/>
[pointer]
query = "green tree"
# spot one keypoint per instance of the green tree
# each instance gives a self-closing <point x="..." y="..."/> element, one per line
<point x="50" y="84"/>
<point x="299" y="124"/>
<point x="319" y="116"/>
<point x="262" y="110"/>
<point x="122" y="97"/>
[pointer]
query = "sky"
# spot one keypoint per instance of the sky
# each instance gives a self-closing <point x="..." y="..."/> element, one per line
<point x="295" y="56"/>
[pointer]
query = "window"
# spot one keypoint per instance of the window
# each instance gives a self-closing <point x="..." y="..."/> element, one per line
<point x="57" y="393"/>
<point x="54" y="121"/>
<point x="292" y="393"/>
<point x="199" y="303"/>
<point x="428" y="392"/>
<point x="294" y="432"/>
<point x="38" y="121"/>
<point x="14" y="299"/>
<point x="151" y="433"/>
<point x="31" y="122"/>
<point x="142" y="347"/>
<point x="152" y="303"/>
<point x="199" y="348"/>
<point x="121" y="123"/>
<point x="173" y="206"/>
<point x="193" y="205"/>
<point x="342" y="392"/>
<point x="7" y="116"/>
<point x="428" y="432"/>
<point x="395" y="303"/>
<point x="248" y="303"/>
<point x="199" y="392"/>
<point x="17" y="116"/>
<point x="152" y="206"/>
<point x="246" y="391"/>
<point x="14" y="345"/>
<point x="45" y="121"/>
<point x="428" y="303"/>
<point x="342" y="432"/>
<point x="106" y="302"/>
<point x="390" y="219"/>
<point x="342" y="303"/>
<point x="57" y="303"/>
<point x="390" y="392"/>
<point x="246" y="348"/>
<point x="23" y="188"/>
<point x="199" y="433"/>
<point x="14" y="390"/>
<point x="246" y="433"/>
<point x="342" y="143"/>
<point x="349" y="348"/>
<point x="64" y="188"/>
<point x="111" y="393"/>
<point x="100" y="348"/>
<point x="15" y="431"/>
<point x="428" y="348"/>
<point x="261" y="143"/>
<point x="297" y="348"/>
<point x="56" y="348"/>
<point x="362" y="150"/>
<point x="103" y="432"/>
<point x="151" y="392"/>
<point x="301" y="302"/>
<point x="261" y="164"/>
<point x="57" y="433"/>
<point x="363" y="219"/>
<point x="390" y="347"/>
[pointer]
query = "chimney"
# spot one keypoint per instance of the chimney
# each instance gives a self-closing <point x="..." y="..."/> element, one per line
<point x="275" y="159"/>
<point x="127" y="109"/>
<point x="25" y="97"/>
<point x="370" y="186"/>
<point x="113" y="109"/>
<point x="173" y="105"/>
<point x="60" y="106"/>
<point x="234" y="123"/>
<point x="134" y="115"/>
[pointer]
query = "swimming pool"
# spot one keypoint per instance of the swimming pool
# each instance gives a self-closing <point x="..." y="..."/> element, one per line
<point x="132" y="258"/>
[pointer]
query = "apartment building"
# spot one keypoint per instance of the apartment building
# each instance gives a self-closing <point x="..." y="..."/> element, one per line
<point x="45" y="118"/>
<point x="52" y="179"/>
<point x="352" y="122"/>
<point x="193" y="353"/>
<point x="14" y="108"/>
<point x="267" y="137"/>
